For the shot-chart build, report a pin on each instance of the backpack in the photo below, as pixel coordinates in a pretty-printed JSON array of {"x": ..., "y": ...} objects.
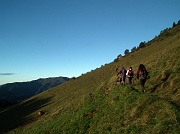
[
  {"x": 143, "y": 74},
  {"x": 130, "y": 73},
  {"x": 124, "y": 72}
]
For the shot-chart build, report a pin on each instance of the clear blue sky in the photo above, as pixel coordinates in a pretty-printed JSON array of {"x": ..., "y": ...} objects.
[{"x": 50, "y": 38}]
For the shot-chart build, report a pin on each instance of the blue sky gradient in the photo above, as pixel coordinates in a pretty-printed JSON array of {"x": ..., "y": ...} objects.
[{"x": 50, "y": 38}]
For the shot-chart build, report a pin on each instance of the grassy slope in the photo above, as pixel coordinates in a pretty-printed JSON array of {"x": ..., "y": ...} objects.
[{"x": 94, "y": 103}]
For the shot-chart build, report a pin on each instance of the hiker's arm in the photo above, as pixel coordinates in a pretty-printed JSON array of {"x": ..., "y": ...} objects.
[
  {"x": 127, "y": 72},
  {"x": 120, "y": 72}
]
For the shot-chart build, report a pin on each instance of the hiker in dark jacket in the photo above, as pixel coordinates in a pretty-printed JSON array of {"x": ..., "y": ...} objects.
[
  {"x": 130, "y": 75},
  {"x": 142, "y": 76},
  {"x": 123, "y": 75}
]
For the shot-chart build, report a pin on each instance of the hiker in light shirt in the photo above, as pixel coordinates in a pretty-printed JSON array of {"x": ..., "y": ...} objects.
[{"x": 130, "y": 75}]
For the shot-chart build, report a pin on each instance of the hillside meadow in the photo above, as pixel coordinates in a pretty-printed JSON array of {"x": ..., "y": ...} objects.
[{"x": 96, "y": 103}]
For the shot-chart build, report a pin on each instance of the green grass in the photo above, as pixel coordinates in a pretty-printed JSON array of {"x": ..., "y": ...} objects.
[
  {"x": 123, "y": 110},
  {"x": 95, "y": 103}
]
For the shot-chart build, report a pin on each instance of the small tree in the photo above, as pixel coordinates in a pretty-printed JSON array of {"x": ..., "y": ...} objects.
[
  {"x": 178, "y": 22},
  {"x": 142, "y": 44},
  {"x": 174, "y": 24},
  {"x": 126, "y": 51},
  {"x": 119, "y": 56},
  {"x": 116, "y": 60},
  {"x": 133, "y": 49}
]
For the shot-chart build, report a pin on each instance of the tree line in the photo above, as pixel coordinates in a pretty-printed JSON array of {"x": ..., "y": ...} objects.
[{"x": 164, "y": 33}]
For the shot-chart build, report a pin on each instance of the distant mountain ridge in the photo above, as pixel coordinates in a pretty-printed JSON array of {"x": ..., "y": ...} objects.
[{"x": 18, "y": 91}]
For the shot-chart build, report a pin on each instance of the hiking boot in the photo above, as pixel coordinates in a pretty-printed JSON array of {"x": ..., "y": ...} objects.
[{"x": 123, "y": 83}]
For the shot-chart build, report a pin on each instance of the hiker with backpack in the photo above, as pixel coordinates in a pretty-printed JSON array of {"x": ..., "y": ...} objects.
[
  {"x": 142, "y": 76},
  {"x": 130, "y": 75},
  {"x": 123, "y": 75}
]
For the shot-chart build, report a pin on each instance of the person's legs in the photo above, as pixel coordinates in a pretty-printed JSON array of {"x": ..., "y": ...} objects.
[
  {"x": 120, "y": 79},
  {"x": 142, "y": 81},
  {"x": 130, "y": 81},
  {"x": 123, "y": 80}
]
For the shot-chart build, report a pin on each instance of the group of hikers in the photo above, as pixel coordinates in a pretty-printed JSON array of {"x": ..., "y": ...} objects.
[{"x": 141, "y": 75}]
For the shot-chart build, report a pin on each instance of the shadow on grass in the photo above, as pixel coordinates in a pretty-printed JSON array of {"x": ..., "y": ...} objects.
[
  {"x": 17, "y": 116},
  {"x": 167, "y": 74}
]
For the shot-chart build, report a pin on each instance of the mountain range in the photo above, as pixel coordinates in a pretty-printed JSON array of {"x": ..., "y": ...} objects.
[{"x": 15, "y": 92}]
